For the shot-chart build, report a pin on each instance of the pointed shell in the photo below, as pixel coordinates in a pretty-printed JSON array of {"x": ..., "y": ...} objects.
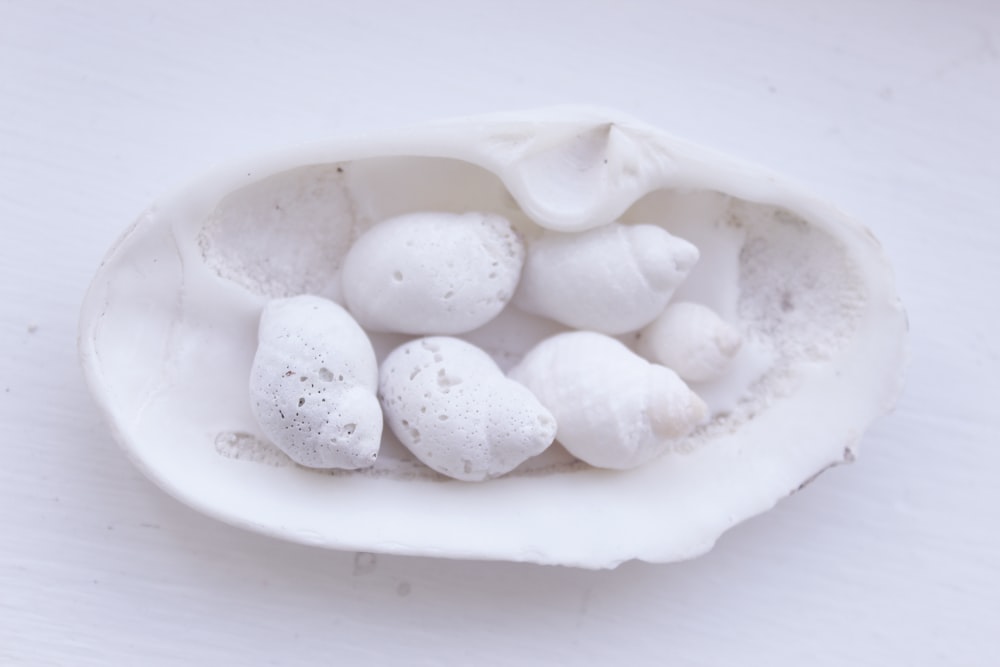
[
  {"x": 168, "y": 334},
  {"x": 313, "y": 382},
  {"x": 449, "y": 403},
  {"x": 614, "y": 409},
  {"x": 692, "y": 340},
  {"x": 612, "y": 279}
]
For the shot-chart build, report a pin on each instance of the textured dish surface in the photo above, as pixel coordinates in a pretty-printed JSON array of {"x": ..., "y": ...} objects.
[{"x": 169, "y": 331}]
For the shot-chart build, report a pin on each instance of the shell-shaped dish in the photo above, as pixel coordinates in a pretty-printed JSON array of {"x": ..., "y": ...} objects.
[{"x": 169, "y": 332}]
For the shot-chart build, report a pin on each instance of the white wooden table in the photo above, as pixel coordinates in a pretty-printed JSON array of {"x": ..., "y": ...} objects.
[{"x": 889, "y": 109}]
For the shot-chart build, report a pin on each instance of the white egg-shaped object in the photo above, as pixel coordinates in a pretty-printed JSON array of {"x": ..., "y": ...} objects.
[{"x": 432, "y": 272}]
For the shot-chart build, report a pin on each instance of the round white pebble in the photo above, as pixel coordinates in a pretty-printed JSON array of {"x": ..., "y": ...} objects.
[
  {"x": 313, "y": 384},
  {"x": 448, "y": 402},
  {"x": 438, "y": 273}
]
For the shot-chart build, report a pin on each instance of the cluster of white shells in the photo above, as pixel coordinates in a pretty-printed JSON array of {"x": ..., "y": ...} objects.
[{"x": 318, "y": 394}]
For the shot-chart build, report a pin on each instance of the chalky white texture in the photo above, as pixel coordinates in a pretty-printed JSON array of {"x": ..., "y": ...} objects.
[
  {"x": 612, "y": 279},
  {"x": 440, "y": 273},
  {"x": 313, "y": 384},
  {"x": 614, "y": 409},
  {"x": 450, "y": 404},
  {"x": 692, "y": 340}
]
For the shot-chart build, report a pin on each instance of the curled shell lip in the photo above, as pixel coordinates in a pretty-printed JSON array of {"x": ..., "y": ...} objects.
[
  {"x": 166, "y": 343},
  {"x": 586, "y": 177}
]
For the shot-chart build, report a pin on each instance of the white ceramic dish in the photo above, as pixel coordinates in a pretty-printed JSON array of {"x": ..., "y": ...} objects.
[{"x": 168, "y": 334}]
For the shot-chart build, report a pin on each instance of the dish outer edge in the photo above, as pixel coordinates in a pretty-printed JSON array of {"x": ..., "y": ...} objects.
[{"x": 699, "y": 166}]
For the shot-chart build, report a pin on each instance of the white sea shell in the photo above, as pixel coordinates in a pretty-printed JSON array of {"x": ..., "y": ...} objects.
[
  {"x": 168, "y": 335},
  {"x": 614, "y": 409},
  {"x": 613, "y": 279},
  {"x": 692, "y": 340},
  {"x": 450, "y": 404},
  {"x": 313, "y": 383},
  {"x": 432, "y": 272}
]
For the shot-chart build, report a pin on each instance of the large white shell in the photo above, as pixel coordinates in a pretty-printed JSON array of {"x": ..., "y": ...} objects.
[{"x": 168, "y": 337}]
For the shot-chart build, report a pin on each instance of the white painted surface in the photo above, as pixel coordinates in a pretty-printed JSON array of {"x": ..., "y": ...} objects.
[{"x": 891, "y": 110}]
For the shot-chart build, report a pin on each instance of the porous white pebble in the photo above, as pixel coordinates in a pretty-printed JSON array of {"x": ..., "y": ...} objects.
[
  {"x": 440, "y": 273},
  {"x": 313, "y": 384},
  {"x": 614, "y": 409},
  {"x": 612, "y": 279},
  {"x": 692, "y": 340},
  {"x": 449, "y": 403}
]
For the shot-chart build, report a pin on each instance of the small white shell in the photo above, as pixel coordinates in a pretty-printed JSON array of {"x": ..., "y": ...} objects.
[
  {"x": 614, "y": 409},
  {"x": 451, "y": 405},
  {"x": 611, "y": 279},
  {"x": 432, "y": 272},
  {"x": 313, "y": 383},
  {"x": 692, "y": 340}
]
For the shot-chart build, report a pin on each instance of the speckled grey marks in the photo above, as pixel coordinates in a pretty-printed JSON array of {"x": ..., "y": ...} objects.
[
  {"x": 449, "y": 403},
  {"x": 313, "y": 383}
]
